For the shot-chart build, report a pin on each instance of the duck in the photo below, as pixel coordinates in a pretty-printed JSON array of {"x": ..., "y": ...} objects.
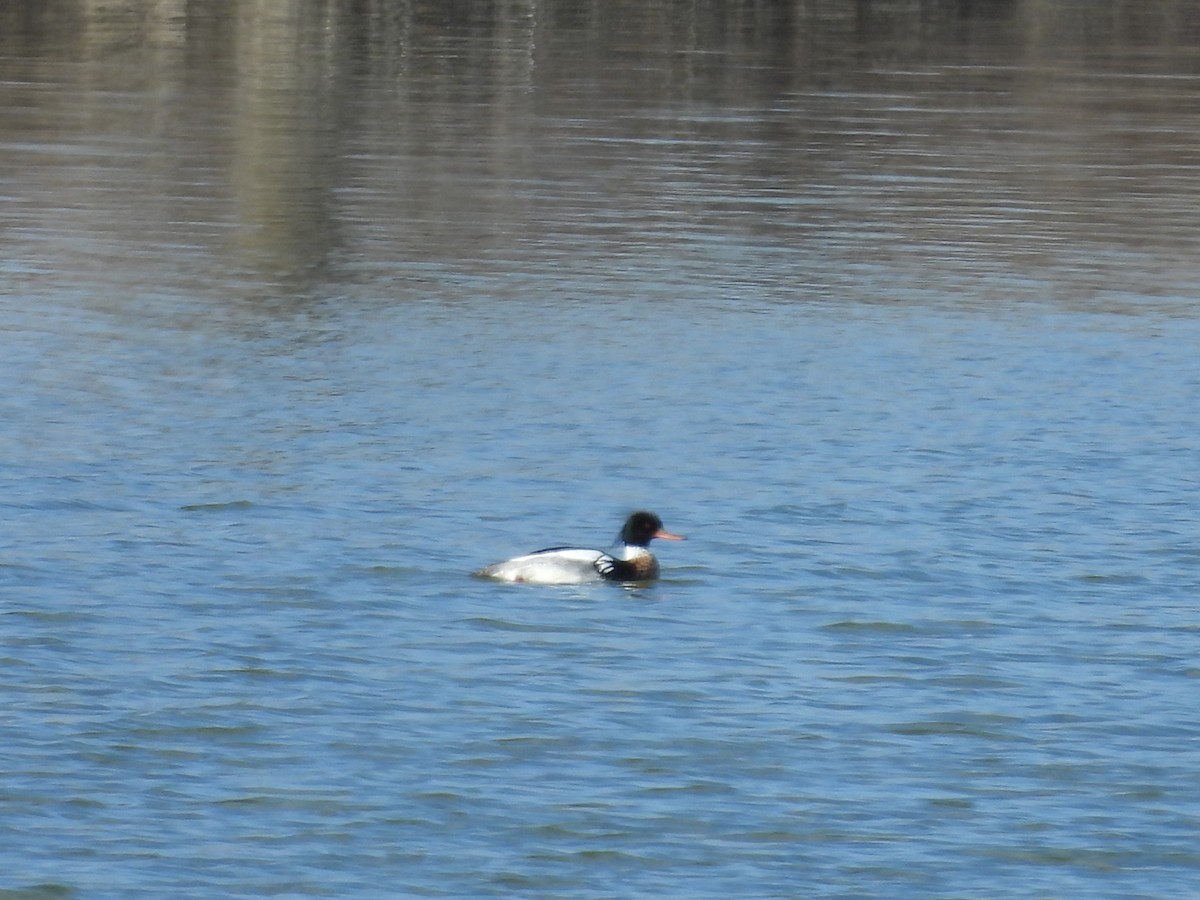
[{"x": 570, "y": 565}]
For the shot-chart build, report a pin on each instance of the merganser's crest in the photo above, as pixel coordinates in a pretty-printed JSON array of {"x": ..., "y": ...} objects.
[{"x": 568, "y": 565}]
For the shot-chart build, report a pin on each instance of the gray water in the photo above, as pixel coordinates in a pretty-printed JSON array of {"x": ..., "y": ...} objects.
[{"x": 309, "y": 310}]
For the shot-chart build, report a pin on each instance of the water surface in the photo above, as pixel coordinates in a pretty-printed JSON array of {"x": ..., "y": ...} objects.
[{"x": 307, "y": 313}]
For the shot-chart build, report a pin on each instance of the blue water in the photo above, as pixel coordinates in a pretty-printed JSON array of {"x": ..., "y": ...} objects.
[
  {"x": 926, "y": 411},
  {"x": 931, "y": 633}
]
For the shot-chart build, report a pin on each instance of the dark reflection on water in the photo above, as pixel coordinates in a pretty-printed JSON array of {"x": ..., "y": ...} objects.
[{"x": 246, "y": 147}]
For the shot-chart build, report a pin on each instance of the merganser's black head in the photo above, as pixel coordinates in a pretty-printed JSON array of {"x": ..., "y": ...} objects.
[{"x": 643, "y": 527}]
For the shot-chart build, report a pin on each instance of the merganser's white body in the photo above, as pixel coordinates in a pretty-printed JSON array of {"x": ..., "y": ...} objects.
[{"x": 569, "y": 565}]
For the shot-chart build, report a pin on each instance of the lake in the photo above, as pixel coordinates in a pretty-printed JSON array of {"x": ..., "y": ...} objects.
[{"x": 307, "y": 311}]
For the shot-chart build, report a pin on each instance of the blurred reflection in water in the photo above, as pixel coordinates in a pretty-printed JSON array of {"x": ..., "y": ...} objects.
[{"x": 246, "y": 147}]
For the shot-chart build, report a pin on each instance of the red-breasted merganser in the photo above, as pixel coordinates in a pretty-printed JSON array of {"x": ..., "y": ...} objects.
[{"x": 567, "y": 565}]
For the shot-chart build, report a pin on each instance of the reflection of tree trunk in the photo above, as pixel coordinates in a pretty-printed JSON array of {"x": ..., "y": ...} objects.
[{"x": 284, "y": 136}]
